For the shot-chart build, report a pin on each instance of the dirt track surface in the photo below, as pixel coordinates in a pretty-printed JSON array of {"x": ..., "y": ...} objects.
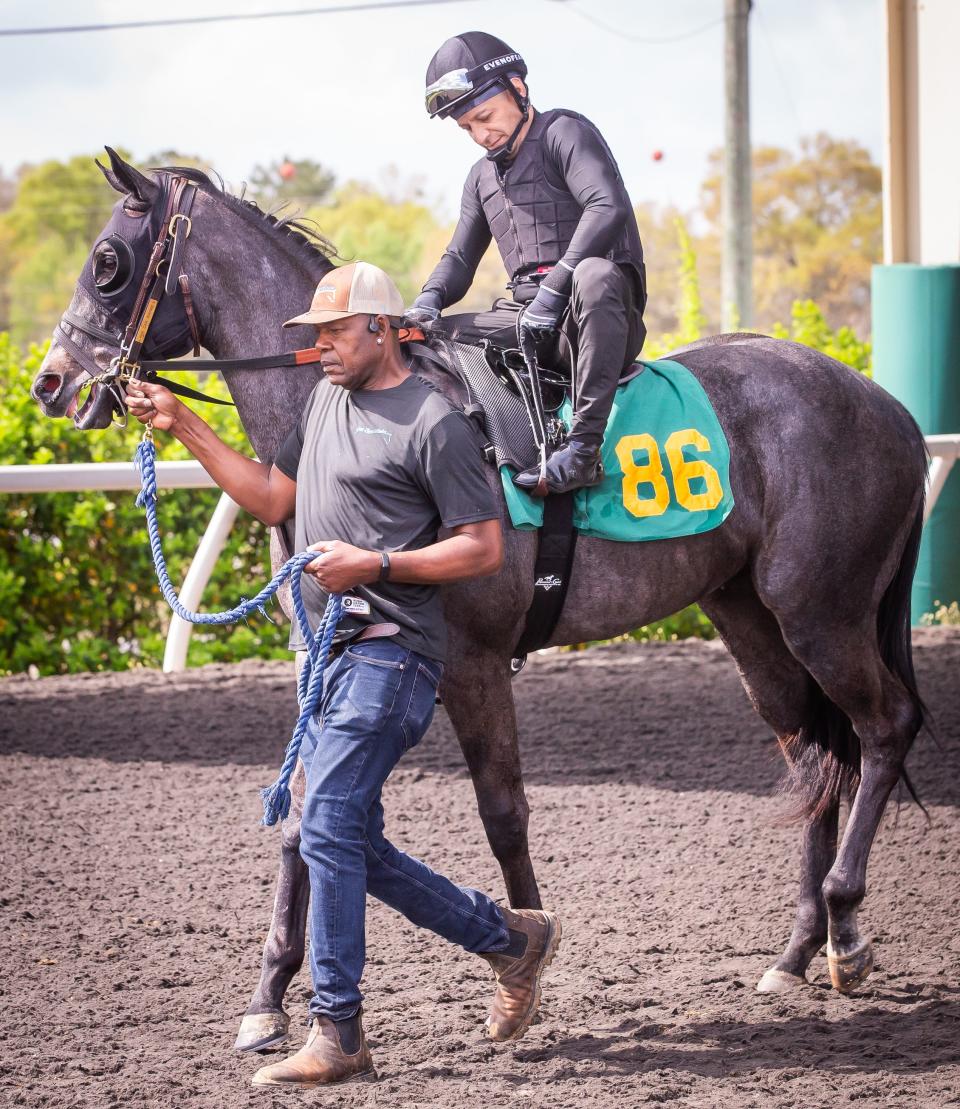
[{"x": 138, "y": 890}]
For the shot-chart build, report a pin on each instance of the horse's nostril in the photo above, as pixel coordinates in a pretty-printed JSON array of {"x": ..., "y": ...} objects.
[{"x": 50, "y": 383}]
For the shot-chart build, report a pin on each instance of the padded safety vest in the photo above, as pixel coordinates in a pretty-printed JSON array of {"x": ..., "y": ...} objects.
[{"x": 531, "y": 212}]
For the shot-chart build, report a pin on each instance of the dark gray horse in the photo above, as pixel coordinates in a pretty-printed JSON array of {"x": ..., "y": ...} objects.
[{"x": 808, "y": 580}]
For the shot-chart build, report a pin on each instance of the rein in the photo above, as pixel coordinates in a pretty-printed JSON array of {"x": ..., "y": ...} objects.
[
  {"x": 164, "y": 276},
  {"x": 276, "y": 797}
]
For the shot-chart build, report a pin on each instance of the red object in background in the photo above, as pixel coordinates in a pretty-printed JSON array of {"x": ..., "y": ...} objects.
[
  {"x": 658, "y": 155},
  {"x": 288, "y": 171}
]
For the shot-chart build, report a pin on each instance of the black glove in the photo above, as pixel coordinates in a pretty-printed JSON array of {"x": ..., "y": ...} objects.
[
  {"x": 425, "y": 309},
  {"x": 544, "y": 312}
]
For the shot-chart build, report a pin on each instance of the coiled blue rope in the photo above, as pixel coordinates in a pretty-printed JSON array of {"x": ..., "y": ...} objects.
[{"x": 276, "y": 798}]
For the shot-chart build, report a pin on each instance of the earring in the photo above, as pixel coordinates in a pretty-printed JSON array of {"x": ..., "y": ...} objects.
[{"x": 380, "y": 341}]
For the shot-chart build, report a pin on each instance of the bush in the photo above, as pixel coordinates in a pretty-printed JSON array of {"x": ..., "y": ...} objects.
[{"x": 78, "y": 590}]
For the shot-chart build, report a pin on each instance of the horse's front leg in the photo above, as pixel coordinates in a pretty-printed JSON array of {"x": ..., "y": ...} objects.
[
  {"x": 479, "y": 701},
  {"x": 265, "y": 1023}
]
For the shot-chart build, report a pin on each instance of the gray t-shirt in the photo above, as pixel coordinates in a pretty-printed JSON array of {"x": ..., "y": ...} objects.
[{"x": 383, "y": 469}]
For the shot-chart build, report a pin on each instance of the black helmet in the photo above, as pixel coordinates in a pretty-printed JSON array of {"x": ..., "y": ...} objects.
[{"x": 469, "y": 69}]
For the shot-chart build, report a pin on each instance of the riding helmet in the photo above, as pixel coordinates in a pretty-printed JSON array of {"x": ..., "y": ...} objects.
[{"x": 469, "y": 69}]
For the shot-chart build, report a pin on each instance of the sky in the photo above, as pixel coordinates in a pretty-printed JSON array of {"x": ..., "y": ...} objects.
[{"x": 347, "y": 89}]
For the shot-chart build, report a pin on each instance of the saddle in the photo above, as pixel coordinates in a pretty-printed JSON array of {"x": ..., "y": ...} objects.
[{"x": 502, "y": 384}]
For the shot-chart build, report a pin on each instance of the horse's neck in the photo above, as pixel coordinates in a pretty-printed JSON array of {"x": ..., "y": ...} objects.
[{"x": 245, "y": 284}]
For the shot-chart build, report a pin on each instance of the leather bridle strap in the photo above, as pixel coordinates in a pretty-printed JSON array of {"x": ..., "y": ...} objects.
[
  {"x": 177, "y": 214},
  {"x": 159, "y": 249},
  {"x": 156, "y": 283},
  {"x": 77, "y": 353},
  {"x": 148, "y": 370},
  {"x": 266, "y": 362},
  {"x": 184, "y": 282},
  {"x": 89, "y": 328}
]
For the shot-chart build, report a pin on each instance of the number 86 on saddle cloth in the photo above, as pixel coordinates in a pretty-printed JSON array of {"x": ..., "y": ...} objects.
[{"x": 666, "y": 462}]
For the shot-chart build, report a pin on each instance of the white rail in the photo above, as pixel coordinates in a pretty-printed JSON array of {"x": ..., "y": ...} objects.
[
  {"x": 82, "y": 477},
  {"x": 944, "y": 451},
  {"x": 106, "y": 476}
]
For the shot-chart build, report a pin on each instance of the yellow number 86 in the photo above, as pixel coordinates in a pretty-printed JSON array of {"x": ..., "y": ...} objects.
[{"x": 683, "y": 471}]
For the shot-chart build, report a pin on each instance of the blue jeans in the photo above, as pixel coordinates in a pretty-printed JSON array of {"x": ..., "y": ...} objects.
[{"x": 378, "y": 701}]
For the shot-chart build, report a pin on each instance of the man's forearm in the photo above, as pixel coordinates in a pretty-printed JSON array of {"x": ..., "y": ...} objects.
[
  {"x": 455, "y": 559},
  {"x": 245, "y": 479}
]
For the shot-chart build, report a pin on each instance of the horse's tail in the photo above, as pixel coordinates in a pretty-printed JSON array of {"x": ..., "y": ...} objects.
[{"x": 824, "y": 756}]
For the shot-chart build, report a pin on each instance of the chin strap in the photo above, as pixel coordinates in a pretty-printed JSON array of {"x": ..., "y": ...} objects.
[{"x": 502, "y": 153}]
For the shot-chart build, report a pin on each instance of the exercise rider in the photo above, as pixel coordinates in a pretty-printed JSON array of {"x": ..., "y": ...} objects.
[
  {"x": 550, "y": 193},
  {"x": 377, "y": 464}
]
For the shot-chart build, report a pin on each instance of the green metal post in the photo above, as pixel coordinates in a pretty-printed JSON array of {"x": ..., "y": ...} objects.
[{"x": 916, "y": 357}]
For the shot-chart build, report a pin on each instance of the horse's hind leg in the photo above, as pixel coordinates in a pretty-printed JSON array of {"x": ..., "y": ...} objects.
[
  {"x": 846, "y": 662},
  {"x": 851, "y": 629},
  {"x": 479, "y": 701},
  {"x": 265, "y": 1023},
  {"x": 783, "y": 693}
]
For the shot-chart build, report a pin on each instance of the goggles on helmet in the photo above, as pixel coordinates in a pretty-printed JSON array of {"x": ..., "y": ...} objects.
[{"x": 456, "y": 85}]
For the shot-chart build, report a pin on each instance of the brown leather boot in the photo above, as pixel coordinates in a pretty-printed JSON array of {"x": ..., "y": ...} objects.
[
  {"x": 335, "y": 1051},
  {"x": 534, "y": 939}
]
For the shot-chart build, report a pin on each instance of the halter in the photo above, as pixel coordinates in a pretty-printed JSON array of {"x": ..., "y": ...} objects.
[{"x": 163, "y": 277}]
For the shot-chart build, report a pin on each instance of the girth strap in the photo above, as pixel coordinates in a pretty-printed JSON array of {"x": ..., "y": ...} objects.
[{"x": 557, "y": 541}]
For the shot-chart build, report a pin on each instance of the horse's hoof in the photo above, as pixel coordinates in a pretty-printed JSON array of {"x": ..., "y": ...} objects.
[
  {"x": 775, "y": 980},
  {"x": 849, "y": 970},
  {"x": 258, "y": 1031}
]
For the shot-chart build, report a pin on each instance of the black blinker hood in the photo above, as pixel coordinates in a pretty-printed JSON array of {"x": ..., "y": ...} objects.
[{"x": 169, "y": 335}]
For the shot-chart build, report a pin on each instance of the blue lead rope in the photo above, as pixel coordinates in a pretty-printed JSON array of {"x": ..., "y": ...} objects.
[{"x": 276, "y": 798}]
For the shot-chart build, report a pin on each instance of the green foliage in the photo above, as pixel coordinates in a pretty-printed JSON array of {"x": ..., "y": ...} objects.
[
  {"x": 808, "y": 326},
  {"x": 366, "y": 225},
  {"x": 692, "y": 319},
  {"x": 77, "y": 587},
  {"x": 45, "y": 236},
  {"x": 817, "y": 228},
  {"x": 78, "y": 590},
  {"x": 686, "y": 624},
  {"x": 942, "y": 615}
]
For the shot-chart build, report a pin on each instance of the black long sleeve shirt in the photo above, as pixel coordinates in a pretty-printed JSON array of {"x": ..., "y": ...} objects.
[{"x": 560, "y": 200}]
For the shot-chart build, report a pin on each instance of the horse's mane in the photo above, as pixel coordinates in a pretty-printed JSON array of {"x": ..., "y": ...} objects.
[{"x": 304, "y": 236}]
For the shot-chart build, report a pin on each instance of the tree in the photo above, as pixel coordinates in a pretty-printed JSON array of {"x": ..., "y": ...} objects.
[
  {"x": 302, "y": 183},
  {"x": 45, "y": 236},
  {"x": 367, "y": 227},
  {"x": 816, "y": 226}
]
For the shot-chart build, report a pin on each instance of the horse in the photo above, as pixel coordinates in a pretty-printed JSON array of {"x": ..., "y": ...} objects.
[{"x": 807, "y": 581}]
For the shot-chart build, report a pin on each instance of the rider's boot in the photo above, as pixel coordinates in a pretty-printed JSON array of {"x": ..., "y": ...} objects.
[{"x": 572, "y": 466}]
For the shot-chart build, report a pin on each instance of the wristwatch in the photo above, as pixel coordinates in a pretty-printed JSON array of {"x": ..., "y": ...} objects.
[{"x": 384, "y": 566}]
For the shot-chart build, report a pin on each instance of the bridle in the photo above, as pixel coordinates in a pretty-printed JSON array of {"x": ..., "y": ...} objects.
[{"x": 163, "y": 277}]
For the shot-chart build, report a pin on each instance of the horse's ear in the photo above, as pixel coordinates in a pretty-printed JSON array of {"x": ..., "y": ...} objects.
[{"x": 127, "y": 180}]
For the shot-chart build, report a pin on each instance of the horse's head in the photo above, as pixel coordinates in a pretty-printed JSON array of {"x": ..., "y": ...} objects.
[{"x": 89, "y": 335}]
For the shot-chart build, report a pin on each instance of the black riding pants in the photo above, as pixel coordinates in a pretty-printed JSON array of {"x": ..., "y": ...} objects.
[{"x": 601, "y": 334}]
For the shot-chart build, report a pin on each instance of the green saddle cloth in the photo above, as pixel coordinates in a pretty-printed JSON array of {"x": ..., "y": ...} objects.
[{"x": 666, "y": 464}]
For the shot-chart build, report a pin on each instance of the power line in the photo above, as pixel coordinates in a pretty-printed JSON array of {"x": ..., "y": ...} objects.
[
  {"x": 778, "y": 67},
  {"x": 235, "y": 17},
  {"x": 650, "y": 41}
]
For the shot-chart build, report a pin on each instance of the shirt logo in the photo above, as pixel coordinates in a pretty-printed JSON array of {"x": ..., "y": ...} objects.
[
  {"x": 548, "y": 582},
  {"x": 356, "y": 604},
  {"x": 374, "y": 431}
]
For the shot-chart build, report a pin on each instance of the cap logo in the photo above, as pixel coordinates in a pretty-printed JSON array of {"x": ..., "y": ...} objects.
[
  {"x": 328, "y": 290},
  {"x": 498, "y": 62}
]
